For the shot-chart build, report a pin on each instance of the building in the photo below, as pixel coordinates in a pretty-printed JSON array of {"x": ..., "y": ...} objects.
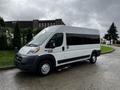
[{"x": 35, "y": 24}]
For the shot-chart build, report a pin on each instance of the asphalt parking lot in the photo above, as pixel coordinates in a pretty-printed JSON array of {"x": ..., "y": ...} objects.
[{"x": 104, "y": 75}]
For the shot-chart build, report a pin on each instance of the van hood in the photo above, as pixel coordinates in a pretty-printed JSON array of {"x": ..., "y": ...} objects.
[{"x": 24, "y": 50}]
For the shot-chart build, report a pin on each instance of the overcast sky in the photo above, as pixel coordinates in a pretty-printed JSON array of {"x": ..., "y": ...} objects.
[{"x": 98, "y": 14}]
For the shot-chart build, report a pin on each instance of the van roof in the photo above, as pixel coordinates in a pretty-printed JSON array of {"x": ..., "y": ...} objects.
[{"x": 71, "y": 29}]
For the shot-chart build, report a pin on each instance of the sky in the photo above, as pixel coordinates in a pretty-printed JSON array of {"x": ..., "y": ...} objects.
[{"x": 97, "y": 14}]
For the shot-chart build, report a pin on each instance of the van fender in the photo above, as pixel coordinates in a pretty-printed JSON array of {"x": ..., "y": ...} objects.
[
  {"x": 96, "y": 52},
  {"x": 47, "y": 57}
]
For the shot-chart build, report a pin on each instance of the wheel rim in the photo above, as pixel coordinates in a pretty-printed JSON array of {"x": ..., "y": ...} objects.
[
  {"x": 45, "y": 69},
  {"x": 94, "y": 58}
]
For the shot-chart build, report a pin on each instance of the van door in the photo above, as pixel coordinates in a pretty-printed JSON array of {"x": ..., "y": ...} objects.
[
  {"x": 56, "y": 47},
  {"x": 74, "y": 49}
]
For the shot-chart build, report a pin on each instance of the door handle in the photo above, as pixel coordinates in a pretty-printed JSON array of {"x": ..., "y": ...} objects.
[{"x": 63, "y": 48}]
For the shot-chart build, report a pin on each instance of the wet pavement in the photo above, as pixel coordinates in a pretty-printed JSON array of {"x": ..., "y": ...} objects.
[{"x": 104, "y": 75}]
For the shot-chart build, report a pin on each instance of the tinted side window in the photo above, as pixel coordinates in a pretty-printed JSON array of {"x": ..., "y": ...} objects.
[
  {"x": 80, "y": 39},
  {"x": 73, "y": 39},
  {"x": 57, "y": 39}
]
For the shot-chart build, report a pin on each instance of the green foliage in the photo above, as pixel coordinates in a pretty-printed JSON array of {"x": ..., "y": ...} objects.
[
  {"x": 26, "y": 34},
  {"x": 29, "y": 35},
  {"x": 36, "y": 31},
  {"x": 106, "y": 37},
  {"x": 2, "y": 24},
  {"x": 3, "y": 39},
  {"x": 17, "y": 36},
  {"x": 3, "y": 42},
  {"x": 9, "y": 33},
  {"x": 112, "y": 33}
]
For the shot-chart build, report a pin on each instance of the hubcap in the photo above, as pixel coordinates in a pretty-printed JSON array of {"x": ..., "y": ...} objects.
[
  {"x": 45, "y": 68},
  {"x": 94, "y": 58}
]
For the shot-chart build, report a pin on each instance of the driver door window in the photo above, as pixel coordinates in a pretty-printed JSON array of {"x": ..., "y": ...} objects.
[{"x": 55, "y": 41}]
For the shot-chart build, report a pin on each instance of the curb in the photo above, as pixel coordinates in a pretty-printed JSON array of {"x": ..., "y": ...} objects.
[
  {"x": 116, "y": 45},
  {"x": 7, "y": 67}
]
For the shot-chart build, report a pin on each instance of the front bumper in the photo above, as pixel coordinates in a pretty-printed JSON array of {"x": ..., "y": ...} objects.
[{"x": 26, "y": 63}]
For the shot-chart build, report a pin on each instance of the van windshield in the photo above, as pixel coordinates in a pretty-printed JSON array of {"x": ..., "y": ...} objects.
[{"x": 40, "y": 37}]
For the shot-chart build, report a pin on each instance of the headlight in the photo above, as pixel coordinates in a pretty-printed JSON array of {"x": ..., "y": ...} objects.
[{"x": 34, "y": 50}]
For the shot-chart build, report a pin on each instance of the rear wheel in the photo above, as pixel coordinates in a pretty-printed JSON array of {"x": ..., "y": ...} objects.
[
  {"x": 93, "y": 58},
  {"x": 45, "y": 67}
]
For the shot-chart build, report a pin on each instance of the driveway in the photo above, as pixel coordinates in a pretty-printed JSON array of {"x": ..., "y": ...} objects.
[{"x": 104, "y": 75}]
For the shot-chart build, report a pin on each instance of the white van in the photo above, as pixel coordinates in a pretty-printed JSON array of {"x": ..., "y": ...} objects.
[{"x": 58, "y": 45}]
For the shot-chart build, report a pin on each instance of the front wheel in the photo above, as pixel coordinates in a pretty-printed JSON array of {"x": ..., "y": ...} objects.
[
  {"x": 93, "y": 59},
  {"x": 45, "y": 67}
]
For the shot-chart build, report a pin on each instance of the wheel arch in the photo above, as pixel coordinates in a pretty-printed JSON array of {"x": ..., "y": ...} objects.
[
  {"x": 47, "y": 57},
  {"x": 94, "y": 52}
]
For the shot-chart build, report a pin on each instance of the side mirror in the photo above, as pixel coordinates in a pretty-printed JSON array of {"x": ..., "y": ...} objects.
[{"x": 51, "y": 44}]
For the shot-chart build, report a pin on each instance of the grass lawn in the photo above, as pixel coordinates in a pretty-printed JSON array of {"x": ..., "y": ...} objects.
[
  {"x": 105, "y": 49},
  {"x": 6, "y": 58}
]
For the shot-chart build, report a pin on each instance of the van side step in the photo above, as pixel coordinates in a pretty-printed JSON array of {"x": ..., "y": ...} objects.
[{"x": 72, "y": 59}]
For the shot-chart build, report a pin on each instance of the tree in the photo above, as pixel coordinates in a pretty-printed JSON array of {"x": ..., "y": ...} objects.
[
  {"x": 17, "y": 36},
  {"x": 106, "y": 37},
  {"x": 3, "y": 39},
  {"x": 9, "y": 33},
  {"x": 3, "y": 42},
  {"x": 37, "y": 30},
  {"x": 23, "y": 35},
  {"x": 2, "y": 23},
  {"x": 112, "y": 34},
  {"x": 29, "y": 35}
]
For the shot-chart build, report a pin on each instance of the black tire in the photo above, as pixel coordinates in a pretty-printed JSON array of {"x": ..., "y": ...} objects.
[
  {"x": 93, "y": 58},
  {"x": 45, "y": 67}
]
